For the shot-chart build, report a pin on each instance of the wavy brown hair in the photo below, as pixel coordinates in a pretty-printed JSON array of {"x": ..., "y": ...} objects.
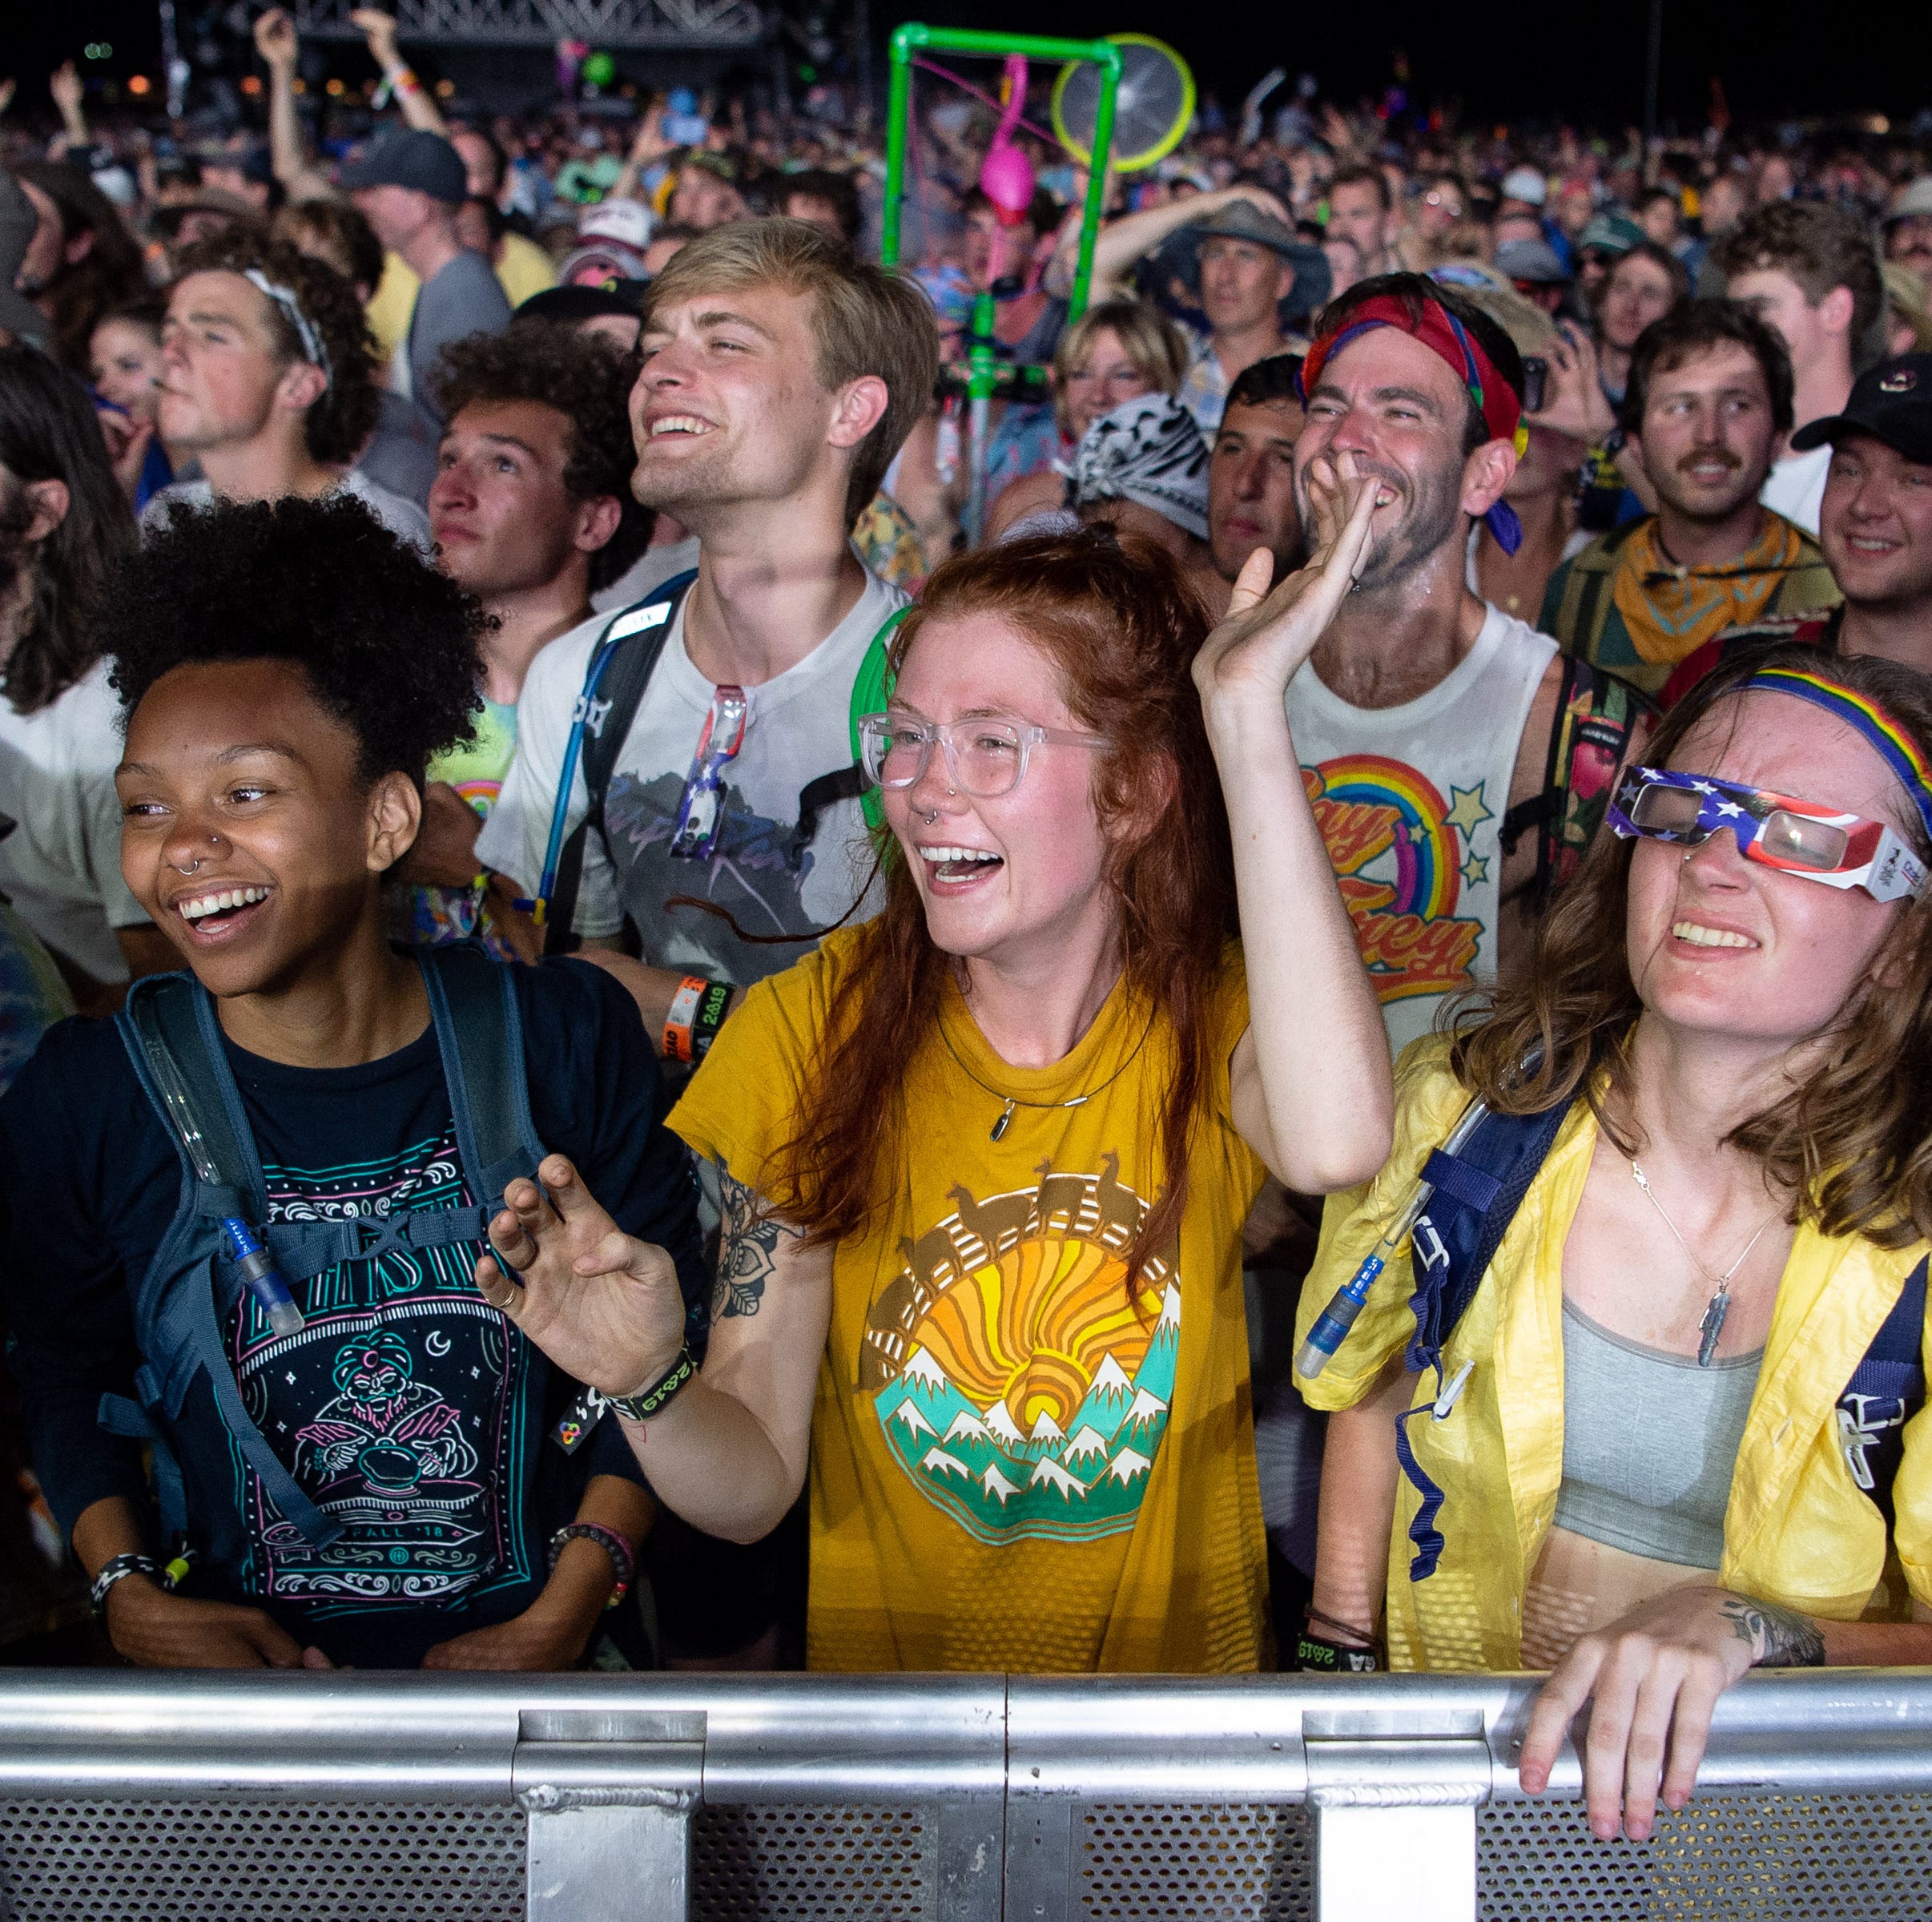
[
  {"x": 1852, "y": 1140},
  {"x": 1118, "y": 619}
]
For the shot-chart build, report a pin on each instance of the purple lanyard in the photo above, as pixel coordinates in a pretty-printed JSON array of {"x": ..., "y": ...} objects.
[{"x": 701, "y": 812}]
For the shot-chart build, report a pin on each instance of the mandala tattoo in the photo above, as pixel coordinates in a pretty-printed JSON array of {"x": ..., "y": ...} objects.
[
  {"x": 747, "y": 1244},
  {"x": 1779, "y": 1637}
]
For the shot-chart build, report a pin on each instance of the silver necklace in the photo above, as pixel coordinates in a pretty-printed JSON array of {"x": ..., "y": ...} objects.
[
  {"x": 1013, "y": 1101},
  {"x": 1719, "y": 1306}
]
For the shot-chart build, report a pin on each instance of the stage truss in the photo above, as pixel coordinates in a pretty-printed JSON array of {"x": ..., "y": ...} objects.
[{"x": 603, "y": 23}]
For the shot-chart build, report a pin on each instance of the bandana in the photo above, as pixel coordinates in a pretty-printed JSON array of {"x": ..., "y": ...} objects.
[
  {"x": 1900, "y": 752},
  {"x": 1445, "y": 336},
  {"x": 306, "y": 331},
  {"x": 1671, "y": 611},
  {"x": 1147, "y": 449}
]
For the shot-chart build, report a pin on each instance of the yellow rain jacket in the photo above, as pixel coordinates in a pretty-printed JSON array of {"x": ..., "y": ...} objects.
[{"x": 1797, "y": 1531}]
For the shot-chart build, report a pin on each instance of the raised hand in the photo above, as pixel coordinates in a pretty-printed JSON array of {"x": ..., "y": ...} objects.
[
  {"x": 1265, "y": 636},
  {"x": 379, "y": 29},
  {"x": 64, "y": 85},
  {"x": 604, "y": 1306},
  {"x": 275, "y": 38}
]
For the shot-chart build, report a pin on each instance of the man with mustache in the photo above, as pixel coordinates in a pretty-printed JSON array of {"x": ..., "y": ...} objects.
[{"x": 1707, "y": 406}]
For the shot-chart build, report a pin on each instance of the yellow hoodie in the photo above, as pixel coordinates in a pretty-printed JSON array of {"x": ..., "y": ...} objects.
[{"x": 1797, "y": 1530}]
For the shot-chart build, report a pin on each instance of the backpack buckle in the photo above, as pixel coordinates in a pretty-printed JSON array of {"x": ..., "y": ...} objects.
[{"x": 1864, "y": 1421}]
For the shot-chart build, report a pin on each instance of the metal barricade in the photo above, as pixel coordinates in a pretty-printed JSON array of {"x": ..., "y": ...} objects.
[{"x": 360, "y": 1798}]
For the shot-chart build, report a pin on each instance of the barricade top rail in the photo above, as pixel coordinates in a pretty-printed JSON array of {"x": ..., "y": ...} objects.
[{"x": 880, "y": 1738}]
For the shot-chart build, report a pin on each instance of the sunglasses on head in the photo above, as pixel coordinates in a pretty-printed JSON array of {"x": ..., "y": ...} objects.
[{"x": 1797, "y": 837}]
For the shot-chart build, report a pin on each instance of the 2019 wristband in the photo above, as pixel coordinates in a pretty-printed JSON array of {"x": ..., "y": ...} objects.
[
  {"x": 118, "y": 1569},
  {"x": 649, "y": 1401},
  {"x": 1313, "y": 1655},
  {"x": 714, "y": 1005}
]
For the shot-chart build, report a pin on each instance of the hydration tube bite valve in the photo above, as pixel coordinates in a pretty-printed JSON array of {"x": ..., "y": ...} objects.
[
  {"x": 1332, "y": 1326},
  {"x": 264, "y": 1279}
]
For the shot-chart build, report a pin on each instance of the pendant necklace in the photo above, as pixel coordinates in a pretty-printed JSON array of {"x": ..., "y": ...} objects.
[
  {"x": 998, "y": 1131},
  {"x": 1719, "y": 1306}
]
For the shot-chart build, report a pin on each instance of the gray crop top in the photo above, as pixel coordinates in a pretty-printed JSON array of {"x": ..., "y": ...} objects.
[{"x": 1649, "y": 1444}]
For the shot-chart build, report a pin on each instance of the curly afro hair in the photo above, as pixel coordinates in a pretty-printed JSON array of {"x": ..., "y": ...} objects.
[
  {"x": 587, "y": 379},
  {"x": 388, "y": 645},
  {"x": 339, "y": 423}
]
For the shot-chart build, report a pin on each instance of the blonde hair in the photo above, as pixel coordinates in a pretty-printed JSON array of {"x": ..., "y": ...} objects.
[
  {"x": 1156, "y": 346},
  {"x": 865, "y": 320}
]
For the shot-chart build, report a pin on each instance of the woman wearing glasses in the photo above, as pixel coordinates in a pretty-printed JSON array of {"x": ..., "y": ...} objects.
[
  {"x": 986, "y": 1159},
  {"x": 1671, "y": 1416}
]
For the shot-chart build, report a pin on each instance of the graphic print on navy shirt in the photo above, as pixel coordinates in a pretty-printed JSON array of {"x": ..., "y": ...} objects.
[{"x": 397, "y": 1408}]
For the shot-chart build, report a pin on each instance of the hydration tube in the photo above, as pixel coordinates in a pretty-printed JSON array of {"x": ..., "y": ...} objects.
[
  {"x": 1332, "y": 1326},
  {"x": 256, "y": 1264}
]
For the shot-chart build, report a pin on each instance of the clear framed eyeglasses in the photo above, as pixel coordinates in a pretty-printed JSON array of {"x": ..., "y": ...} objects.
[{"x": 986, "y": 757}]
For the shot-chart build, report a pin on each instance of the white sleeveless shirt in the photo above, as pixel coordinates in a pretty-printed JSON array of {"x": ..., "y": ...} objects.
[{"x": 1410, "y": 801}]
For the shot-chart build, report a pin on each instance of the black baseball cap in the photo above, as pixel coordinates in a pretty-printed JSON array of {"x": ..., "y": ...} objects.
[
  {"x": 1892, "y": 403},
  {"x": 410, "y": 157}
]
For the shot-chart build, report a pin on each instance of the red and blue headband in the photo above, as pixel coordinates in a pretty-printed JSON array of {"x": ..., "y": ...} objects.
[
  {"x": 1439, "y": 331},
  {"x": 1900, "y": 752}
]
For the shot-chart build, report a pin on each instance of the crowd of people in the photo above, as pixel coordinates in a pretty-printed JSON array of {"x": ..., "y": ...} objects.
[{"x": 624, "y": 1047}]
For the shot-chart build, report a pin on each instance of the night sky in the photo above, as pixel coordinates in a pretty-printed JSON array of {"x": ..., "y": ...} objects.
[{"x": 1508, "y": 61}]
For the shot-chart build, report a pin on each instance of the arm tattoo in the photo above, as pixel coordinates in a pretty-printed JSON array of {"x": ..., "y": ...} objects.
[
  {"x": 747, "y": 1246},
  {"x": 1779, "y": 1637}
]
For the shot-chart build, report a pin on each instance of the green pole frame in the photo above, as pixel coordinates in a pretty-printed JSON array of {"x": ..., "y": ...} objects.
[{"x": 911, "y": 37}]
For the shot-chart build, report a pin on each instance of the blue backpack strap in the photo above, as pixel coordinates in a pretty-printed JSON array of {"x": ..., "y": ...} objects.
[
  {"x": 479, "y": 1029},
  {"x": 169, "y": 1029},
  {"x": 1478, "y": 1191},
  {"x": 620, "y": 668},
  {"x": 1886, "y": 1390}
]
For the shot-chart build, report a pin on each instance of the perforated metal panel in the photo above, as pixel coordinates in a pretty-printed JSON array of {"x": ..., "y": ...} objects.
[
  {"x": 1195, "y": 1863},
  {"x": 848, "y": 1863},
  {"x": 1858, "y": 1858},
  {"x": 230, "y": 1862}
]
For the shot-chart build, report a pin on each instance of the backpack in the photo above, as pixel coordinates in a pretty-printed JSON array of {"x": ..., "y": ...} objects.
[
  {"x": 614, "y": 685},
  {"x": 169, "y": 1029},
  {"x": 1477, "y": 1190}
]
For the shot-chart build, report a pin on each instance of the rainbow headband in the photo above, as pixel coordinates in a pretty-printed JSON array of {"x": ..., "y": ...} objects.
[
  {"x": 1445, "y": 336},
  {"x": 1900, "y": 753}
]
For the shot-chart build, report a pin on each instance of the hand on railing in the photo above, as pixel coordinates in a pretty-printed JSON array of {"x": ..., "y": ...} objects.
[
  {"x": 153, "y": 1628},
  {"x": 1652, "y": 1678},
  {"x": 604, "y": 1306}
]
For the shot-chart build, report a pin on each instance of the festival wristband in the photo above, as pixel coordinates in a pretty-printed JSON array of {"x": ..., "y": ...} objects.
[
  {"x": 714, "y": 1006},
  {"x": 119, "y": 1568},
  {"x": 678, "y": 1018},
  {"x": 611, "y": 1542},
  {"x": 405, "y": 82},
  {"x": 652, "y": 1400},
  {"x": 1312, "y": 1656}
]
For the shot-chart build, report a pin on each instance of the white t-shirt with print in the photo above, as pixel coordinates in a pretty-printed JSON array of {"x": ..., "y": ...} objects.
[
  {"x": 61, "y": 865},
  {"x": 403, "y": 518},
  {"x": 797, "y": 728}
]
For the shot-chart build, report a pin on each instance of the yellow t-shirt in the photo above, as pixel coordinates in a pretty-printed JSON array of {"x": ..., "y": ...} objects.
[
  {"x": 522, "y": 268},
  {"x": 1015, "y": 1466}
]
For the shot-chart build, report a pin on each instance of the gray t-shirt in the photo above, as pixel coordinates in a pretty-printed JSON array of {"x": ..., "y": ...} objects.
[{"x": 466, "y": 297}]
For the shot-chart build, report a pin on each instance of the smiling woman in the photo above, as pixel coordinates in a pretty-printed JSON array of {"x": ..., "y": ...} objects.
[
  {"x": 986, "y": 1159},
  {"x": 1674, "y": 1451},
  {"x": 366, "y": 1479}
]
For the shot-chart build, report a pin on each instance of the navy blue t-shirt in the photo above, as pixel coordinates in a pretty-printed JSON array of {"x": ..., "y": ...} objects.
[{"x": 408, "y": 1409}]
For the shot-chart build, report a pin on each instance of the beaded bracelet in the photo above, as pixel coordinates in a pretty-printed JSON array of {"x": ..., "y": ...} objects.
[{"x": 610, "y": 1541}]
